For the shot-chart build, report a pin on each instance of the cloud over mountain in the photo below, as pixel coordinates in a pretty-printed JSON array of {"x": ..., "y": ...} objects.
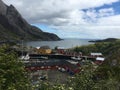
[
  {"x": 14, "y": 27},
  {"x": 75, "y": 15}
]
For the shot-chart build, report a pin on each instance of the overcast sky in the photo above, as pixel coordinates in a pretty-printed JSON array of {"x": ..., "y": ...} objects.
[{"x": 72, "y": 18}]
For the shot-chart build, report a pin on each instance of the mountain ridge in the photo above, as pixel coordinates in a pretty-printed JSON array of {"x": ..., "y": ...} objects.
[{"x": 14, "y": 27}]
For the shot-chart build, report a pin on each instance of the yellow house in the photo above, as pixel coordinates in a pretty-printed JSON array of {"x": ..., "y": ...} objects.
[{"x": 43, "y": 50}]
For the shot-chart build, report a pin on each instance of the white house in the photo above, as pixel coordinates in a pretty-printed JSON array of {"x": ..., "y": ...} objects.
[
  {"x": 96, "y": 54},
  {"x": 100, "y": 59}
]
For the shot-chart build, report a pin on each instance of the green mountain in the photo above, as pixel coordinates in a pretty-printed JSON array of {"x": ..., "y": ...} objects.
[
  {"x": 105, "y": 40},
  {"x": 14, "y": 27}
]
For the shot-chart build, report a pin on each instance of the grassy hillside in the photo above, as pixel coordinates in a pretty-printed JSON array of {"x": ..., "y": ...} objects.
[{"x": 111, "y": 52}]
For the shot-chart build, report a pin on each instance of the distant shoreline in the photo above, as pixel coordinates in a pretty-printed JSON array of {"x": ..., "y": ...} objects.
[{"x": 104, "y": 40}]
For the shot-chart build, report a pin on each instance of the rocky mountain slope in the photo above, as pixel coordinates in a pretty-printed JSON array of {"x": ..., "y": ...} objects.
[{"x": 14, "y": 27}]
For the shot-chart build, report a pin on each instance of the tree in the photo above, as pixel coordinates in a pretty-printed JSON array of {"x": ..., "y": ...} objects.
[{"x": 12, "y": 73}]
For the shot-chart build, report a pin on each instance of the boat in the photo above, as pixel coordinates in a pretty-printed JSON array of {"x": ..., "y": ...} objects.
[
  {"x": 43, "y": 57},
  {"x": 76, "y": 58}
]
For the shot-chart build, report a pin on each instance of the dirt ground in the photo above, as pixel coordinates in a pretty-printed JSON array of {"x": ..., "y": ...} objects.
[{"x": 53, "y": 76}]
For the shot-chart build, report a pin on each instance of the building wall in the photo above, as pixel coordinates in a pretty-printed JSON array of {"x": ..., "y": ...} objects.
[{"x": 43, "y": 51}]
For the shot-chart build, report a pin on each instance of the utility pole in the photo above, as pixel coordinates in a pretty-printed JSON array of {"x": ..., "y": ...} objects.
[{"x": 22, "y": 47}]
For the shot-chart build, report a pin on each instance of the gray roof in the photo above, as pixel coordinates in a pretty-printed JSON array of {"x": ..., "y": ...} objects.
[{"x": 45, "y": 47}]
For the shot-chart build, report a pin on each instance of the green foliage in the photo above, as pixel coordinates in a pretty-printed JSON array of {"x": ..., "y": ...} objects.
[
  {"x": 88, "y": 79},
  {"x": 12, "y": 73},
  {"x": 83, "y": 81},
  {"x": 49, "y": 86},
  {"x": 86, "y": 49},
  {"x": 103, "y": 47},
  {"x": 108, "y": 78},
  {"x": 105, "y": 77}
]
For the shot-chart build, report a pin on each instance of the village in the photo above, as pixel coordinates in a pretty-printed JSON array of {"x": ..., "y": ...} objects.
[{"x": 45, "y": 63}]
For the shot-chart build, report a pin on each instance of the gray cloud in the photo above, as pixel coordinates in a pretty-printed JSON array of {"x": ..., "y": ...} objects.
[
  {"x": 47, "y": 12},
  {"x": 67, "y": 15}
]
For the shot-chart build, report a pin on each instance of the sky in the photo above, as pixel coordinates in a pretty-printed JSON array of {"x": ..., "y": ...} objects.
[{"x": 87, "y": 19}]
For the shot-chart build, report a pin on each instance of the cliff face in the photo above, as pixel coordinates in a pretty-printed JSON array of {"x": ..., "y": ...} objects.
[{"x": 14, "y": 27}]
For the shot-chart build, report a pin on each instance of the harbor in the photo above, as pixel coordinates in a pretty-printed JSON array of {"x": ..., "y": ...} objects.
[{"x": 46, "y": 64}]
